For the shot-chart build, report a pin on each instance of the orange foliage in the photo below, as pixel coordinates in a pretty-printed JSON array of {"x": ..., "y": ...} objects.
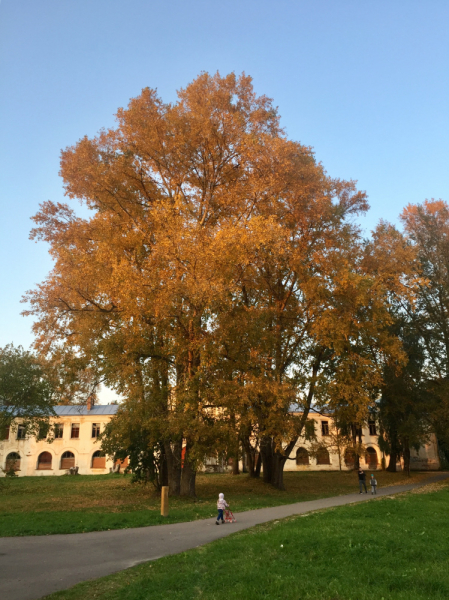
[{"x": 220, "y": 276}]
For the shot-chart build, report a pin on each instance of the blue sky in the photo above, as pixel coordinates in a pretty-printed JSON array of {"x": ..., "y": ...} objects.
[{"x": 366, "y": 84}]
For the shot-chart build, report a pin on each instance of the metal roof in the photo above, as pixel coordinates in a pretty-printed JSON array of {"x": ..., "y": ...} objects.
[{"x": 99, "y": 409}]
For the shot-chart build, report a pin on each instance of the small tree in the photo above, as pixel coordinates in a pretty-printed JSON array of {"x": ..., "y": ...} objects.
[
  {"x": 131, "y": 434},
  {"x": 26, "y": 394}
]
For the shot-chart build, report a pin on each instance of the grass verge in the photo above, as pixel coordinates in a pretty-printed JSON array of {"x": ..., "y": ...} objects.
[
  {"x": 49, "y": 505},
  {"x": 394, "y": 548}
]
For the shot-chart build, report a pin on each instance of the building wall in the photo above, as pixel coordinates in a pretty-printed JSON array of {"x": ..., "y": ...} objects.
[
  {"x": 425, "y": 459},
  {"x": 83, "y": 448}
]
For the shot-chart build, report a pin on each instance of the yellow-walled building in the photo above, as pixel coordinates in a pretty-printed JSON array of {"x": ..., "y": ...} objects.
[
  {"x": 76, "y": 448},
  {"x": 426, "y": 459},
  {"x": 75, "y": 444}
]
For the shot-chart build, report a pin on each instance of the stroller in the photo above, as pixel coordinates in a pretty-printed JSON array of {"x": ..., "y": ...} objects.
[{"x": 229, "y": 517}]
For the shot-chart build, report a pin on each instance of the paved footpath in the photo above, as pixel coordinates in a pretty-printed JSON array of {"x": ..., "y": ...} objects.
[{"x": 34, "y": 566}]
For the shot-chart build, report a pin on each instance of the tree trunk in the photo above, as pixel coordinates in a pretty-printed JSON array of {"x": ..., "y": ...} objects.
[
  {"x": 244, "y": 461},
  {"x": 173, "y": 453},
  {"x": 407, "y": 458},
  {"x": 266, "y": 452},
  {"x": 354, "y": 431},
  {"x": 392, "y": 462},
  {"x": 250, "y": 459},
  {"x": 163, "y": 468},
  {"x": 235, "y": 463},
  {"x": 258, "y": 466},
  {"x": 273, "y": 462},
  {"x": 235, "y": 453},
  {"x": 253, "y": 464},
  {"x": 188, "y": 480},
  {"x": 249, "y": 454},
  {"x": 188, "y": 477},
  {"x": 277, "y": 475}
]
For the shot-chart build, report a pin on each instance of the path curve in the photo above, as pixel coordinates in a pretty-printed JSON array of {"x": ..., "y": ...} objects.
[{"x": 32, "y": 567}]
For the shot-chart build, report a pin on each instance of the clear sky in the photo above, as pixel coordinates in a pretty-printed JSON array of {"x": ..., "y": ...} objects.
[{"x": 366, "y": 84}]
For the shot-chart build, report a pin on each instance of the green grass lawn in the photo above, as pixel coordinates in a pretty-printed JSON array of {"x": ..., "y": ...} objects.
[
  {"x": 46, "y": 505},
  {"x": 394, "y": 548}
]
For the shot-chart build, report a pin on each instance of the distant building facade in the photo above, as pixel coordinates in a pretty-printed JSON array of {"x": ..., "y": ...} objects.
[
  {"x": 75, "y": 445},
  {"x": 301, "y": 459}
]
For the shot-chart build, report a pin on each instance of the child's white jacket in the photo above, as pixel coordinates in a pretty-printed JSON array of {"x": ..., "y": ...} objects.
[{"x": 221, "y": 502}]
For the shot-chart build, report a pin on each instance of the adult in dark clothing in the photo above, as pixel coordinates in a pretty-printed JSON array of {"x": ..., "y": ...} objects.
[{"x": 362, "y": 481}]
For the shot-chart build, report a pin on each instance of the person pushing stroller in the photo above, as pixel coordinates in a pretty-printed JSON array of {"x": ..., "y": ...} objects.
[{"x": 221, "y": 506}]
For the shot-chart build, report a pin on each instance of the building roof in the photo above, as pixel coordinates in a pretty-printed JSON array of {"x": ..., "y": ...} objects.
[{"x": 75, "y": 410}]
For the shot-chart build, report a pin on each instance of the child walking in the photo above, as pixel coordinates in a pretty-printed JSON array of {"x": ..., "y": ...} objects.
[
  {"x": 373, "y": 483},
  {"x": 221, "y": 505}
]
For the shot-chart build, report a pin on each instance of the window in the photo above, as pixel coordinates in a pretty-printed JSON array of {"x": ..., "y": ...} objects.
[
  {"x": 6, "y": 433},
  {"x": 371, "y": 458},
  {"x": 75, "y": 431},
  {"x": 44, "y": 461},
  {"x": 43, "y": 431},
  {"x": 322, "y": 457},
  {"x": 324, "y": 428},
  {"x": 21, "y": 432},
  {"x": 12, "y": 462},
  {"x": 349, "y": 458},
  {"x": 67, "y": 460},
  {"x": 98, "y": 460},
  {"x": 372, "y": 427},
  {"x": 95, "y": 430},
  {"x": 302, "y": 456},
  {"x": 59, "y": 430}
]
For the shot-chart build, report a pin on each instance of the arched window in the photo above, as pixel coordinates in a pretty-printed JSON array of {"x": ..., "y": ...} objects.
[
  {"x": 371, "y": 458},
  {"x": 322, "y": 457},
  {"x": 98, "y": 460},
  {"x": 44, "y": 461},
  {"x": 67, "y": 460},
  {"x": 302, "y": 456},
  {"x": 12, "y": 462},
  {"x": 349, "y": 458}
]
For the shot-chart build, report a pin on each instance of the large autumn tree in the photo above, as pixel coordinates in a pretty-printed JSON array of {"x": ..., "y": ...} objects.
[
  {"x": 427, "y": 228},
  {"x": 219, "y": 279}
]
